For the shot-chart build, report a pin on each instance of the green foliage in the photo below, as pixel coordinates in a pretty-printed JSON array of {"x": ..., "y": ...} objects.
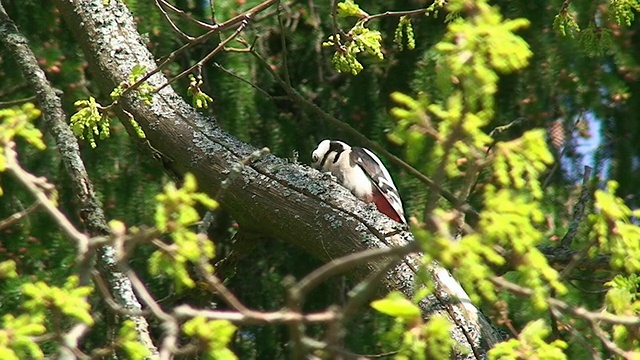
[
  {"x": 612, "y": 229},
  {"x": 16, "y": 336},
  {"x": 199, "y": 99},
  {"x": 175, "y": 213},
  {"x": 93, "y": 119},
  {"x": 489, "y": 47},
  {"x": 70, "y": 300},
  {"x": 349, "y": 8},
  {"x": 596, "y": 41},
  {"x": 513, "y": 164},
  {"x": 403, "y": 32},
  {"x": 144, "y": 91},
  {"x": 90, "y": 119},
  {"x": 512, "y": 210},
  {"x": 436, "y": 6},
  {"x": 622, "y": 299},
  {"x": 530, "y": 344},
  {"x": 396, "y": 305},
  {"x": 565, "y": 76},
  {"x": 128, "y": 342},
  {"x": 622, "y": 11},
  {"x": 135, "y": 126},
  {"x": 359, "y": 39},
  {"x": 411, "y": 112},
  {"x": 417, "y": 340},
  {"x": 8, "y": 269},
  {"x": 437, "y": 338},
  {"x": 18, "y": 121},
  {"x": 565, "y": 24},
  {"x": 214, "y": 334}
]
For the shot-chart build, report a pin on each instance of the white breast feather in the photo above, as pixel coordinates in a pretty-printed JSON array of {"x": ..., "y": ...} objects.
[{"x": 354, "y": 178}]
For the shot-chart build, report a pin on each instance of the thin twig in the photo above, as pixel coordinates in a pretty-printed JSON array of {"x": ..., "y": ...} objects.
[
  {"x": 363, "y": 290},
  {"x": 5, "y": 104},
  {"x": 216, "y": 286},
  {"x": 254, "y": 317},
  {"x": 610, "y": 345},
  {"x": 200, "y": 39},
  {"x": 339, "y": 265},
  {"x": 171, "y": 23},
  {"x": 37, "y": 187},
  {"x": 579, "y": 312},
  {"x": 208, "y": 57},
  {"x": 395, "y": 14},
  {"x": 283, "y": 43},
  {"x": 169, "y": 323},
  {"x": 111, "y": 302},
  {"x": 70, "y": 340},
  {"x": 19, "y": 215},
  {"x": 259, "y": 89},
  {"x": 581, "y": 339},
  {"x": 188, "y": 17}
]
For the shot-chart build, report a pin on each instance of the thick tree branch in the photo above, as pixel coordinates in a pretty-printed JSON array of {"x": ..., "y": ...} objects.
[{"x": 281, "y": 200}]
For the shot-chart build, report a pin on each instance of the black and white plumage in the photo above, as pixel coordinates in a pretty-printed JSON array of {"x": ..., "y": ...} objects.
[{"x": 361, "y": 171}]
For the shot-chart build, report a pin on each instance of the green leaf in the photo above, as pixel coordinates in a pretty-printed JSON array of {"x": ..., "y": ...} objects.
[
  {"x": 175, "y": 214},
  {"x": 128, "y": 342},
  {"x": 396, "y": 305},
  {"x": 8, "y": 269},
  {"x": 91, "y": 119},
  {"x": 18, "y": 121},
  {"x": 214, "y": 334},
  {"x": 349, "y": 8},
  {"x": 530, "y": 344}
]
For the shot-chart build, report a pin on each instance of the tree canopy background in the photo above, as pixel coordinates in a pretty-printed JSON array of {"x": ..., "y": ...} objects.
[{"x": 581, "y": 86}]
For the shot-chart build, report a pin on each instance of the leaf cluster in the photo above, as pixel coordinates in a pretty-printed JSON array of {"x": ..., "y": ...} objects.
[
  {"x": 175, "y": 214},
  {"x": 18, "y": 122},
  {"x": 215, "y": 334},
  {"x": 417, "y": 339}
]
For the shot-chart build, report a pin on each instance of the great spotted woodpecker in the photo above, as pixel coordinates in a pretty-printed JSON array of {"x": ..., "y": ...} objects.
[{"x": 361, "y": 171}]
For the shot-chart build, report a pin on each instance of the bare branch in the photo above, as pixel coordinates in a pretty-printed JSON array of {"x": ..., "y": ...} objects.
[
  {"x": 175, "y": 27},
  {"x": 579, "y": 312},
  {"x": 38, "y": 187},
  {"x": 211, "y": 54},
  {"x": 19, "y": 215},
  {"x": 253, "y": 317},
  {"x": 9, "y": 103},
  {"x": 396, "y": 14}
]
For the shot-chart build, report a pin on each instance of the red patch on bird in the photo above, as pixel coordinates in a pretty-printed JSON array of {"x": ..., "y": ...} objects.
[{"x": 384, "y": 207}]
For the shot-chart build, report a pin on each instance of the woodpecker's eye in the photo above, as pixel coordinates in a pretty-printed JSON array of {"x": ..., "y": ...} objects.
[{"x": 314, "y": 158}]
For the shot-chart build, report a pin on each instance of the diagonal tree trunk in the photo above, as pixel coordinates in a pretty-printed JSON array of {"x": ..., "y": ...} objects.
[{"x": 270, "y": 196}]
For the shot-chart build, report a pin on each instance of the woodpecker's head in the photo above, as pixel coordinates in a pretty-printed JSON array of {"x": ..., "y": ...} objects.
[{"x": 327, "y": 153}]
